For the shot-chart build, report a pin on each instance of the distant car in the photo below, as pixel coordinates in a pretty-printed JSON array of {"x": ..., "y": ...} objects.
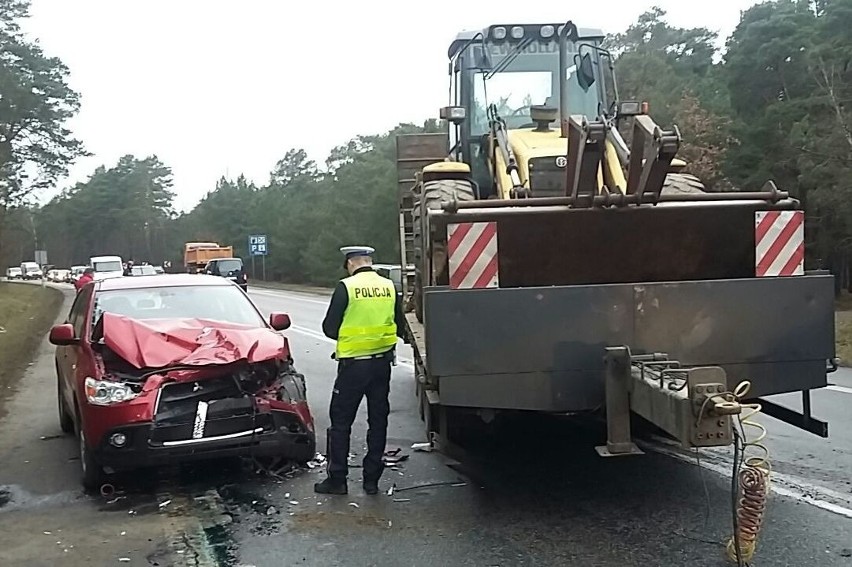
[
  {"x": 143, "y": 270},
  {"x": 31, "y": 271},
  {"x": 168, "y": 368},
  {"x": 76, "y": 272},
  {"x": 231, "y": 268},
  {"x": 14, "y": 273}
]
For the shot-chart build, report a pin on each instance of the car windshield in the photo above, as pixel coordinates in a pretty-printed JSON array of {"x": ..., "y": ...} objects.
[
  {"x": 217, "y": 303},
  {"x": 228, "y": 266},
  {"x": 110, "y": 266}
]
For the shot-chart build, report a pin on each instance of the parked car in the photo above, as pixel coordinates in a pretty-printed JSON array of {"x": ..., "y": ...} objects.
[
  {"x": 76, "y": 272},
  {"x": 58, "y": 275},
  {"x": 175, "y": 367},
  {"x": 143, "y": 270},
  {"x": 231, "y": 268},
  {"x": 392, "y": 272},
  {"x": 14, "y": 273},
  {"x": 31, "y": 271}
]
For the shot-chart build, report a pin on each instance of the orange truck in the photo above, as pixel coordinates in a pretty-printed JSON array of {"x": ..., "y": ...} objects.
[{"x": 197, "y": 254}]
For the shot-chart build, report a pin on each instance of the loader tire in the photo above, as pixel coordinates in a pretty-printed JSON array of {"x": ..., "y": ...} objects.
[
  {"x": 682, "y": 183},
  {"x": 431, "y": 194}
]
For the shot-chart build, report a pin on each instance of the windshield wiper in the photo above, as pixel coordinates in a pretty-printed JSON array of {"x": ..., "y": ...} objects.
[{"x": 509, "y": 58}]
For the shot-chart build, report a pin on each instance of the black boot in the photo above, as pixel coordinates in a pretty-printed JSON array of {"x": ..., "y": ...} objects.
[
  {"x": 371, "y": 486},
  {"x": 331, "y": 486}
]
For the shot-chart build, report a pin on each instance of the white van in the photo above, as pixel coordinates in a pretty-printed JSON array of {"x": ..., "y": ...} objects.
[
  {"x": 31, "y": 271},
  {"x": 106, "y": 267}
]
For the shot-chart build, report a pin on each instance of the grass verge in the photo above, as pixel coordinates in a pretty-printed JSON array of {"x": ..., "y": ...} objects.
[{"x": 26, "y": 315}]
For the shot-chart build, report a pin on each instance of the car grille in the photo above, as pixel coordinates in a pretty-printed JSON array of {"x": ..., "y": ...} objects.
[{"x": 204, "y": 409}]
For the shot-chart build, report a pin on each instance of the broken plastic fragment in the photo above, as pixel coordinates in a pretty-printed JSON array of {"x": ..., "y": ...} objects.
[
  {"x": 294, "y": 502},
  {"x": 166, "y": 503},
  {"x": 354, "y": 504},
  {"x": 424, "y": 447},
  {"x": 271, "y": 510}
]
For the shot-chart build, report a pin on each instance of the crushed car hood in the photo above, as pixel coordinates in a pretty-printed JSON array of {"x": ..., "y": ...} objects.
[{"x": 159, "y": 343}]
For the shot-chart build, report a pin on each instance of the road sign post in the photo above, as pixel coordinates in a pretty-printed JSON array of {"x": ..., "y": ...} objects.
[{"x": 258, "y": 246}]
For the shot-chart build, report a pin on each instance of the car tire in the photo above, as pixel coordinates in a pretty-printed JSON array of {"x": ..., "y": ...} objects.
[
  {"x": 66, "y": 422},
  {"x": 93, "y": 476}
]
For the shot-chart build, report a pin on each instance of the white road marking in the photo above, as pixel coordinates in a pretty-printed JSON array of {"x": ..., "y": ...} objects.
[
  {"x": 843, "y": 389},
  {"x": 785, "y": 485},
  {"x": 287, "y": 295}
]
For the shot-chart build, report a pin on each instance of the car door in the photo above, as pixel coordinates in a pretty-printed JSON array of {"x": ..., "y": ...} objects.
[{"x": 68, "y": 357}]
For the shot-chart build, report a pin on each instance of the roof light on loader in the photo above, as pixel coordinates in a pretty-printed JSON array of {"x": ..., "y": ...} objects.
[
  {"x": 517, "y": 32},
  {"x": 547, "y": 31},
  {"x": 499, "y": 33}
]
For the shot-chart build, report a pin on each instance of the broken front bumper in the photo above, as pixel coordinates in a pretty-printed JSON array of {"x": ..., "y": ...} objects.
[{"x": 274, "y": 433}]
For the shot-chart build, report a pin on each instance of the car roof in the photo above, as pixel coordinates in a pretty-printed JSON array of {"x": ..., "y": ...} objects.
[{"x": 161, "y": 280}]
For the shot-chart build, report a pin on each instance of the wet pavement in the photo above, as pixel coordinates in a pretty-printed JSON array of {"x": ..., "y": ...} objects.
[{"x": 535, "y": 493}]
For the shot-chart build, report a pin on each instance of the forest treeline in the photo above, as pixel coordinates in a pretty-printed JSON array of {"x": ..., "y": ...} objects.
[{"x": 774, "y": 103}]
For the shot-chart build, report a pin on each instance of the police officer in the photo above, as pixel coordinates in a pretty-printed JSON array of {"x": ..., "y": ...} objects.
[{"x": 365, "y": 318}]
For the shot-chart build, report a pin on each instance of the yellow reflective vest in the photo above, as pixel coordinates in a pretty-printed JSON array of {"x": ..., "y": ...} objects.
[{"x": 368, "y": 326}]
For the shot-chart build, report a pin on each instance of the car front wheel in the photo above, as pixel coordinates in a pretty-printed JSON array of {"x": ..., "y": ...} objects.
[{"x": 93, "y": 473}]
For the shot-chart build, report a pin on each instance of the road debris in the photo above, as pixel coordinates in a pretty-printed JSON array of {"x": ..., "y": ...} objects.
[
  {"x": 354, "y": 504},
  {"x": 271, "y": 510},
  {"x": 317, "y": 461},
  {"x": 402, "y": 499},
  {"x": 422, "y": 447},
  {"x": 294, "y": 502},
  {"x": 124, "y": 559},
  {"x": 394, "y": 456},
  {"x": 164, "y": 504},
  {"x": 454, "y": 483}
]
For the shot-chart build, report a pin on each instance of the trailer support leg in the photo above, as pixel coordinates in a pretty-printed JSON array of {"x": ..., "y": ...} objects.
[{"x": 617, "y": 376}]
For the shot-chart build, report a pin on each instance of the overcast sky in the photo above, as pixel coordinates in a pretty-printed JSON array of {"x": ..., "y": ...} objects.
[{"x": 228, "y": 86}]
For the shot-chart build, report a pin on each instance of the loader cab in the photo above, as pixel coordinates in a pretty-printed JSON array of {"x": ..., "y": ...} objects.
[{"x": 516, "y": 67}]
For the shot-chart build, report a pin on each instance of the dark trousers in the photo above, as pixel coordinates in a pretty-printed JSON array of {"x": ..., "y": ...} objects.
[{"x": 356, "y": 379}]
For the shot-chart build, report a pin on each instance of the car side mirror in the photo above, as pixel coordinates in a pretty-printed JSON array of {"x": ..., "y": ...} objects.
[
  {"x": 279, "y": 321},
  {"x": 63, "y": 335}
]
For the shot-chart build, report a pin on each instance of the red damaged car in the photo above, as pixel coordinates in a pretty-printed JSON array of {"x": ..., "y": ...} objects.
[{"x": 167, "y": 368}]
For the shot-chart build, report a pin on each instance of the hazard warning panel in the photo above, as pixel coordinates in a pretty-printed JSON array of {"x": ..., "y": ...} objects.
[
  {"x": 779, "y": 243},
  {"x": 472, "y": 250}
]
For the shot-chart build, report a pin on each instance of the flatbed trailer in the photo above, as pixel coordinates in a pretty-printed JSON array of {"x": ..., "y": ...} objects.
[{"x": 689, "y": 291}]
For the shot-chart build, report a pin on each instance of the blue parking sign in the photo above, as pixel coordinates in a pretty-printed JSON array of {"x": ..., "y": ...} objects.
[{"x": 257, "y": 245}]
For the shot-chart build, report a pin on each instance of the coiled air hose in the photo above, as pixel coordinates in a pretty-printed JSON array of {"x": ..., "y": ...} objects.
[{"x": 753, "y": 480}]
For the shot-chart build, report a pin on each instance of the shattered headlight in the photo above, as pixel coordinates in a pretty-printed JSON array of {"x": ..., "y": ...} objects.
[{"x": 107, "y": 392}]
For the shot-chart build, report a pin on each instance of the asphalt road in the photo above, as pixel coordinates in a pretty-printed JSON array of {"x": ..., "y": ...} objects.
[{"x": 538, "y": 495}]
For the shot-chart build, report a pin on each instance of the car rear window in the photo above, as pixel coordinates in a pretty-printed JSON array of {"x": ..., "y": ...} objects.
[{"x": 228, "y": 266}]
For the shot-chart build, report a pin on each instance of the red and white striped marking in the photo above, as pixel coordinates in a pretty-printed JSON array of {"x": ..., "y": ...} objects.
[
  {"x": 779, "y": 243},
  {"x": 472, "y": 249}
]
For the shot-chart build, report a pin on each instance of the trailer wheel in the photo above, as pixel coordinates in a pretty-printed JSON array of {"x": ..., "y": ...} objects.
[
  {"x": 681, "y": 183},
  {"x": 430, "y": 196}
]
